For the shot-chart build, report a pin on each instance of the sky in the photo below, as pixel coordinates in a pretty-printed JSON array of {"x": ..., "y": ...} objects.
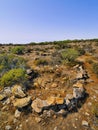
[{"x": 24, "y": 21}]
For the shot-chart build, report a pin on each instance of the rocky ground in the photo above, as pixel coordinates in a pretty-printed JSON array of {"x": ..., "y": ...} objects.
[{"x": 59, "y": 97}]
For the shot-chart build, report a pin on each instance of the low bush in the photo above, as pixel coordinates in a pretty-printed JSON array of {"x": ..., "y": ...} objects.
[
  {"x": 12, "y": 69},
  {"x": 95, "y": 68},
  {"x": 81, "y": 51},
  {"x": 18, "y": 50},
  {"x": 8, "y": 62},
  {"x": 69, "y": 56},
  {"x": 13, "y": 76},
  {"x": 41, "y": 62},
  {"x": 95, "y": 109}
]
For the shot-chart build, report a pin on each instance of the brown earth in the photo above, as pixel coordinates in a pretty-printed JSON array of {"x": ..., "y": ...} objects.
[{"x": 55, "y": 80}]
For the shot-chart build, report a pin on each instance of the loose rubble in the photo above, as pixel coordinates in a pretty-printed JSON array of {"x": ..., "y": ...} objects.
[{"x": 53, "y": 105}]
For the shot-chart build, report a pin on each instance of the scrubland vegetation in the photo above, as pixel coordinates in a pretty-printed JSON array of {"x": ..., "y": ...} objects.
[{"x": 62, "y": 75}]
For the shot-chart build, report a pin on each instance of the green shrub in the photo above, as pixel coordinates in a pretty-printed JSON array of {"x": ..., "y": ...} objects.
[
  {"x": 81, "y": 51},
  {"x": 17, "y": 50},
  {"x": 8, "y": 62},
  {"x": 96, "y": 44},
  {"x": 95, "y": 109},
  {"x": 41, "y": 62},
  {"x": 95, "y": 68},
  {"x": 13, "y": 76},
  {"x": 69, "y": 55}
]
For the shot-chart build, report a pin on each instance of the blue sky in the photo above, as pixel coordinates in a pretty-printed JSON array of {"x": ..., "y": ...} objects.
[{"x": 23, "y": 21}]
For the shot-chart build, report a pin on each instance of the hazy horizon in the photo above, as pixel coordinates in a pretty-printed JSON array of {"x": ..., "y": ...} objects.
[{"x": 24, "y": 21}]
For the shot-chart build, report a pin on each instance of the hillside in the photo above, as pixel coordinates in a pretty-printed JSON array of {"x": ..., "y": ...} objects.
[{"x": 49, "y": 86}]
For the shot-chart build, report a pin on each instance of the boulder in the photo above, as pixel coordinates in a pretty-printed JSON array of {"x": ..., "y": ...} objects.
[
  {"x": 22, "y": 102},
  {"x": 18, "y": 91},
  {"x": 38, "y": 105}
]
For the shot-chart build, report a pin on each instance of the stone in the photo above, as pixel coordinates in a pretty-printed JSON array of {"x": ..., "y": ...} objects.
[
  {"x": 15, "y": 120},
  {"x": 55, "y": 128},
  {"x": 38, "y": 119},
  {"x": 51, "y": 100},
  {"x": 20, "y": 126},
  {"x": 78, "y": 84},
  {"x": 38, "y": 105},
  {"x": 54, "y": 85},
  {"x": 78, "y": 92},
  {"x": 85, "y": 123},
  {"x": 27, "y": 120},
  {"x": 5, "y": 108},
  {"x": 67, "y": 102},
  {"x": 89, "y": 104},
  {"x": 36, "y": 84},
  {"x": 7, "y": 91},
  {"x": 54, "y": 100},
  {"x": 48, "y": 113},
  {"x": 7, "y": 101},
  {"x": 18, "y": 91},
  {"x": 79, "y": 75},
  {"x": 62, "y": 112},
  {"x": 29, "y": 71},
  {"x": 17, "y": 113},
  {"x": 87, "y": 114},
  {"x": 69, "y": 96},
  {"x": 2, "y": 96},
  {"x": 8, "y": 127},
  {"x": 22, "y": 102},
  {"x": 59, "y": 100}
]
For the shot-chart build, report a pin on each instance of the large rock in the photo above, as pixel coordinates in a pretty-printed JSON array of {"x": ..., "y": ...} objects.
[
  {"x": 18, "y": 91},
  {"x": 79, "y": 75},
  {"x": 59, "y": 100},
  {"x": 69, "y": 96},
  {"x": 54, "y": 100},
  {"x": 85, "y": 123},
  {"x": 82, "y": 74},
  {"x": 17, "y": 113},
  {"x": 78, "y": 92},
  {"x": 78, "y": 84},
  {"x": 8, "y": 127},
  {"x": 38, "y": 105},
  {"x": 7, "y": 91},
  {"x": 51, "y": 100},
  {"x": 2, "y": 96},
  {"x": 22, "y": 102}
]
